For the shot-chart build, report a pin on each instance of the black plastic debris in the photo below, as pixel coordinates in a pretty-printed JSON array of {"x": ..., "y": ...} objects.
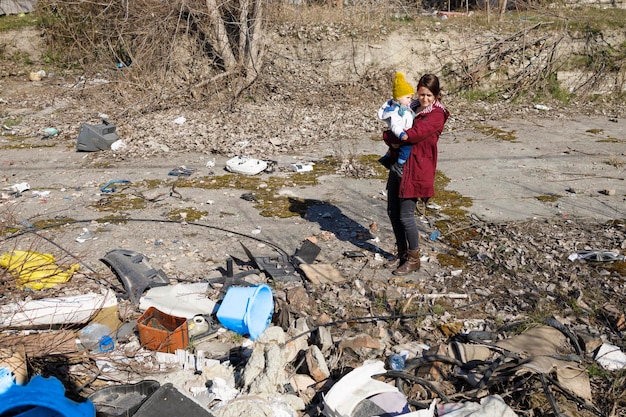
[
  {"x": 133, "y": 270},
  {"x": 167, "y": 401},
  {"x": 249, "y": 197},
  {"x": 278, "y": 267},
  {"x": 353, "y": 254},
  {"x": 283, "y": 267},
  {"x": 123, "y": 400},
  {"x": 181, "y": 171}
]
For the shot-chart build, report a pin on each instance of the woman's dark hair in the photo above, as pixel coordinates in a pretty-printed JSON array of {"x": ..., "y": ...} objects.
[{"x": 431, "y": 82}]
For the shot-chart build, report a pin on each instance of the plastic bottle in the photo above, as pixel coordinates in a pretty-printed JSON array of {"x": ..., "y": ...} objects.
[
  {"x": 396, "y": 362},
  {"x": 197, "y": 326},
  {"x": 96, "y": 337}
]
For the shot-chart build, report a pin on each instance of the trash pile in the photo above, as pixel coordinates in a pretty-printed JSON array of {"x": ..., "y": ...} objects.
[
  {"x": 244, "y": 344},
  {"x": 289, "y": 335}
]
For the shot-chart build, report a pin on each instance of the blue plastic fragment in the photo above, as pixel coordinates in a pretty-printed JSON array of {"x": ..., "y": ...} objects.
[
  {"x": 109, "y": 187},
  {"x": 42, "y": 397},
  {"x": 106, "y": 344},
  {"x": 6, "y": 380},
  {"x": 435, "y": 235}
]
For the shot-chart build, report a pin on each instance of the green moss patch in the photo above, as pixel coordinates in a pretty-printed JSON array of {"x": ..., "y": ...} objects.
[{"x": 500, "y": 134}]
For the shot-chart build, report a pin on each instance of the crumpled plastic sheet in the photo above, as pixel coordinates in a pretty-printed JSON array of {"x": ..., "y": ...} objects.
[
  {"x": 490, "y": 406},
  {"x": 36, "y": 270},
  {"x": 596, "y": 256},
  {"x": 610, "y": 357}
]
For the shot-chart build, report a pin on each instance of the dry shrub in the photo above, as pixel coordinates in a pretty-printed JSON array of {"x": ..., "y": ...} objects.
[
  {"x": 527, "y": 56},
  {"x": 193, "y": 51},
  {"x": 188, "y": 50},
  {"x": 183, "y": 46}
]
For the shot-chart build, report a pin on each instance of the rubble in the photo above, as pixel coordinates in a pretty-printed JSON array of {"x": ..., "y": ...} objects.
[
  {"x": 512, "y": 322},
  {"x": 459, "y": 324}
]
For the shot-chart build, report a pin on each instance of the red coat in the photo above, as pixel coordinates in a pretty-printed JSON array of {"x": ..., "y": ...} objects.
[{"x": 418, "y": 177}]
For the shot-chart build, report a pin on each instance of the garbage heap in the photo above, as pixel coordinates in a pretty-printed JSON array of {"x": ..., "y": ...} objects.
[{"x": 249, "y": 344}]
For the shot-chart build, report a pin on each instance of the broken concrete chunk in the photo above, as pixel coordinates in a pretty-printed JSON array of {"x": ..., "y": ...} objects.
[
  {"x": 317, "y": 364},
  {"x": 274, "y": 378},
  {"x": 363, "y": 345},
  {"x": 273, "y": 334},
  {"x": 324, "y": 339}
]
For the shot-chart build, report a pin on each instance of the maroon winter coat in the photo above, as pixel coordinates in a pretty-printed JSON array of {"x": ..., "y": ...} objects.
[{"x": 418, "y": 177}]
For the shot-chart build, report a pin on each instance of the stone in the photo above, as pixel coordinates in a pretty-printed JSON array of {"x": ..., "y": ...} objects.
[
  {"x": 324, "y": 338},
  {"x": 298, "y": 298},
  {"x": 304, "y": 386},
  {"x": 302, "y": 382},
  {"x": 297, "y": 345},
  {"x": 323, "y": 319},
  {"x": 363, "y": 345},
  {"x": 316, "y": 364}
]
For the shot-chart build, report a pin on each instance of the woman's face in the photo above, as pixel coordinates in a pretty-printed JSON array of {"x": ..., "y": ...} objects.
[{"x": 425, "y": 96}]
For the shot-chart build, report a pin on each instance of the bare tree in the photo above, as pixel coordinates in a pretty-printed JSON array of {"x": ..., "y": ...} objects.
[{"x": 193, "y": 45}]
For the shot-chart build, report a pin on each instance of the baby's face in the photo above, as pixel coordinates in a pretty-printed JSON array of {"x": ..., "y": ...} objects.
[{"x": 405, "y": 100}]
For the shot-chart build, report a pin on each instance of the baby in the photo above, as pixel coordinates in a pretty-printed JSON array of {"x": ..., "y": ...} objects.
[{"x": 399, "y": 116}]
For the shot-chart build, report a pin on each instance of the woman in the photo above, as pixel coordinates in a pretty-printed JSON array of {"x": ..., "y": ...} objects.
[{"x": 416, "y": 178}]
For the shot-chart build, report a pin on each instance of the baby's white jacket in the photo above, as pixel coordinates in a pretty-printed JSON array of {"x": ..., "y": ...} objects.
[{"x": 398, "y": 117}]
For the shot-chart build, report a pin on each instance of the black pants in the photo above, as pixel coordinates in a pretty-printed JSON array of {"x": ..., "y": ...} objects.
[{"x": 401, "y": 212}]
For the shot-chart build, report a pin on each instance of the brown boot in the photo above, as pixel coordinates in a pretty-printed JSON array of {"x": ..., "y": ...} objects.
[
  {"x": 412, "y": 263},
  {"x": 397, "y": 261}
]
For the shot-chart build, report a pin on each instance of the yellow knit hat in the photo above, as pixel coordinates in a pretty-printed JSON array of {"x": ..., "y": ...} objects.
[{"x": 400, "y": 87}]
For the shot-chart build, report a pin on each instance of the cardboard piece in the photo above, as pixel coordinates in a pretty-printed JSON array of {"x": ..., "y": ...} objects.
[{"x": 322, "y": 274}]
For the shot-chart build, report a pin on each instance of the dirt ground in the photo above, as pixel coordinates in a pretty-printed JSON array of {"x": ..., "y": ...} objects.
[
  {"x": 520, "y": 163},
  {"x": 512, "y": 163},
  {"x": 553, "y": 177}
]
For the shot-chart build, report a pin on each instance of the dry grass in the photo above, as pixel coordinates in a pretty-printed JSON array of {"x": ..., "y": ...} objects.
[{"x": 192, "y": 51}]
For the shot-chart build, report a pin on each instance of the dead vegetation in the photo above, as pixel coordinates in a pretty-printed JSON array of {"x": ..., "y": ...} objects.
[
  {"x": 511, "y": 272},
  {"x": 196, "y": 50}
]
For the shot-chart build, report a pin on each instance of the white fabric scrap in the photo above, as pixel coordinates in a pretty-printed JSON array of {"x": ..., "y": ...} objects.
[
  {"x": 490, "y": 406},
  {"x": 610, "y": 357}
]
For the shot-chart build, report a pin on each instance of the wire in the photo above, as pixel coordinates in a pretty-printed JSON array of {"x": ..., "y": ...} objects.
[
  {"x": 273, "y": 245},
  {"x": 581, "y": 403},
  {"x": 549, "y": 396},
  {"x": 358, "y": 319},
  {"x": 401, "y": 375}
]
